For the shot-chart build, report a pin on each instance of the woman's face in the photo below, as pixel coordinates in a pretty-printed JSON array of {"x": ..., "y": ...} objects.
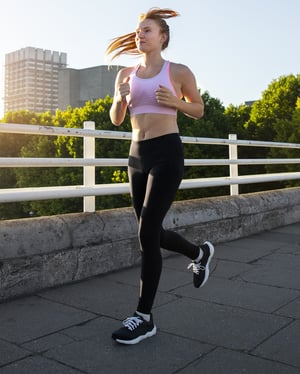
[{"x": 148, "y": 36}]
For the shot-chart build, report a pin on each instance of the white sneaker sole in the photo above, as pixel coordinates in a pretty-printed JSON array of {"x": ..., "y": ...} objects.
[
  {"x": 139, "y": 338},
  {"x": 212, "y": 251}
]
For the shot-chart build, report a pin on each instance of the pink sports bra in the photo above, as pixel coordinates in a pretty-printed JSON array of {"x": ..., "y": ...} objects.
[{"x": 142, "y": 92}]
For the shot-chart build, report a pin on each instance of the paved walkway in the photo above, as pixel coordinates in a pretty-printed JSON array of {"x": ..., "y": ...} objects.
[{"x": 245, "y": 320}]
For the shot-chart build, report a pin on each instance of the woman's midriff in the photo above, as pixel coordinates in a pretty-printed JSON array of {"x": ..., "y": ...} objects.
[{"x": 148, "y": 126}]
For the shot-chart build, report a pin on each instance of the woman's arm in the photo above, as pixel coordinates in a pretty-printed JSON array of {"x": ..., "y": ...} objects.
[
  {"x": 184, "y": 81},
  {"x": 119, "y": 106}
]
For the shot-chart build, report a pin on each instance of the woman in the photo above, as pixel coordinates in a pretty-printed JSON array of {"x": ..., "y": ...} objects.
[{"x": 153, "y": 92}]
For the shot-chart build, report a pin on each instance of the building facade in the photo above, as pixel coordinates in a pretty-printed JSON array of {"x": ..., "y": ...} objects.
[
  {"x": 38, "y": 80},
  {"x": 77, "y": 86},
  {"x": 31, "y": 79}
]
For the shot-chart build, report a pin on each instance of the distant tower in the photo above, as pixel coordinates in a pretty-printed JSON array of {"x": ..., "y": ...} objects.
[{"x": 31, "y": 79}]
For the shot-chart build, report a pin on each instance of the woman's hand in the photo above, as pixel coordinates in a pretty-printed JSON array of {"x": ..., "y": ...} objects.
[
  {"x": 165, "y": 97},
  {"x": 124, "y": 89}
]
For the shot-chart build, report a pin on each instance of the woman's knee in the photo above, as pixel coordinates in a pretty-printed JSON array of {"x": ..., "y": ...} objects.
[{"x": 149, "y": 236}]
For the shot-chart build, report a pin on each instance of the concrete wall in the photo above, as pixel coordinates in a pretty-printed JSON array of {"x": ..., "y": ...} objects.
[{"x": 38, "y": 253}]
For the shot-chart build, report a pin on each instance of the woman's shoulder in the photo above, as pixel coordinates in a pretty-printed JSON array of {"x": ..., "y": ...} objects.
[
  {"x": 128, "y": 68},
  {"x": 124, "y": 72},
  {"x": 179, "y": 69}
]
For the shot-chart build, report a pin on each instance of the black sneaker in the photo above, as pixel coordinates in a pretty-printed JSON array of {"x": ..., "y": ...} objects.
[
  {"x": 201, "y": 268},
  {"x": 134, "y": 330}
]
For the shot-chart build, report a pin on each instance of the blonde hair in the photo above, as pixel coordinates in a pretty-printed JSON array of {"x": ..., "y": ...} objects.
[{"x": 125, "y": 44}]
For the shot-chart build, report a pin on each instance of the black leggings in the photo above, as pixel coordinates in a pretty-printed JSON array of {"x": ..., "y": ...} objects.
[{"x": 155, "y": 170}]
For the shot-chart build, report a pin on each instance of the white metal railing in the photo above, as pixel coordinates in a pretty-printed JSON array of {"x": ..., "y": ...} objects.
[{"x": 89, "y": 189}]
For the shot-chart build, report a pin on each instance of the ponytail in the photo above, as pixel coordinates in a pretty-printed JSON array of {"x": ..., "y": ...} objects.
[{"x": 125, "y": 44}]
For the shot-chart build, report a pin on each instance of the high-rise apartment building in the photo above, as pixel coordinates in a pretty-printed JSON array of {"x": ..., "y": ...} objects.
[{"x": 31, "y": 79}]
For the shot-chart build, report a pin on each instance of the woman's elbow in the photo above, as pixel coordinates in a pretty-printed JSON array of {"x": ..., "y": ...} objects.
[
  {"x": 114, "y": 119},
  {"x": 200, "y": 112},
  {"x": 115, "y": 122}
]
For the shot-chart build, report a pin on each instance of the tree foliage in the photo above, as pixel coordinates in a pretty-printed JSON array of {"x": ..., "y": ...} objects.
[
  {"x": 287, "y": 131},
  {"x": 277, "y": 103}
]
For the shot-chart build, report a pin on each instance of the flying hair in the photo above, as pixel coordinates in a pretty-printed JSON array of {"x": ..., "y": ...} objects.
[{"x": 125, "y": 44}]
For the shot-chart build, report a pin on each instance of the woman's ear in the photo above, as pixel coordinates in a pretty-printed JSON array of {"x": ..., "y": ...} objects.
[{"x": 163, "y": 38}]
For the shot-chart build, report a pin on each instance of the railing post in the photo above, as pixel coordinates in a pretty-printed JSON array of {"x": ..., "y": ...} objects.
[
  {"x": 233, "y": 168},
  {"x": 89, "y": 171}
]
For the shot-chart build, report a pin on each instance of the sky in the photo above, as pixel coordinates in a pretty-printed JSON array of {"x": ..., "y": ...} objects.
[{"x": 235, "y": 48}]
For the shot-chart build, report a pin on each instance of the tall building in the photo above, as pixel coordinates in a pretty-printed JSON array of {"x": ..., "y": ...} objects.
[
  {"x": 77, "y": 86},
  {"x": 31, "y": 79}
]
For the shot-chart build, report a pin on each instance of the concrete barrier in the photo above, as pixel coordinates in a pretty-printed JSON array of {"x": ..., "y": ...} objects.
[{"x": 38, "y": 253}]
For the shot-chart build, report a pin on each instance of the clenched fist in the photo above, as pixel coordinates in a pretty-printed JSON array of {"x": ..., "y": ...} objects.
[
  {"x": 165, "y": 97},
  {"x": 124, "y": 88}
]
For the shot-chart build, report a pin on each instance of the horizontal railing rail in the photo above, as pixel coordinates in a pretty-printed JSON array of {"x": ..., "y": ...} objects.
[
  {"x": 89, "y": 189},
  {"x": 85, "y": 132},
  {"x": 7, "y": 162}
]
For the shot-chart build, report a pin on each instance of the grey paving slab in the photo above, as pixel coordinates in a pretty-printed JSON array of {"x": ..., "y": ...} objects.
[
  {"x": 98, "y": 295},
  {"x": 177, "y": 262},
  {"x": 291, "y": 310},
  {"x": 246, "y": 251},
  {"x": 38, "y": 365},
  {"x": 47, "y": 342},
  {"x": 32, "y": 317},
  {"x": 170, "y": 278},
  {"x": 274, "y": 275},
  {"x": 293, "y": 249},
  {"x": 283, "y": 346},
  {"x": 290, "y": 229},
  {"x": 285, "y": 261},
  {"x": 281, "y": 237},
  {"x": 224, "y": 361},
  {"x": 97, "y": 354},
  {"x": 92, "y": 329},
  {"x": 130, "y": 276},
  {"x": 241, "y": 294},
  {"x": 228, "y": 269},
  {"x": 10, "y": 352},
  {"x": 256, "y": 243},
  {"x": 218, "y": 324}
]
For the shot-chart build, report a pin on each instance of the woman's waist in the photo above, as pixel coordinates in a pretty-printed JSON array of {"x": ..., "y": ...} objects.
[{"x": 152, "y": 126}]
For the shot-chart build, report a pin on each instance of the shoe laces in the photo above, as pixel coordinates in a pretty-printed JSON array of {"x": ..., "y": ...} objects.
[
  {"x": 132, "y": 322},
  {"x": 197, "y": 267}
]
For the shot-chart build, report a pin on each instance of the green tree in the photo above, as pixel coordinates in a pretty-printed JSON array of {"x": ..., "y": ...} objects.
[
  {"x": 287, "y": 131},
  {"x": 10, "y": 146},
  {"x": 278, "y": 102},
  {"x": 214, "y": 125},
  {"x": 236, "y": 117},
  {"x": 63, "y": 146}
]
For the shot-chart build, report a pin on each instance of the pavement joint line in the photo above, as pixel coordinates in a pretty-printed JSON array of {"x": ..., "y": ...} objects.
[
  {"x": 195, "y": 360},
  {"x": 273, "y": 334},
  {"x": 287, "y": 303}
]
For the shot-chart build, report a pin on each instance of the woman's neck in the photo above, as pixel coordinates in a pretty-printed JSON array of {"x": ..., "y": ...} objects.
[{"x": 152, "y": 60}]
